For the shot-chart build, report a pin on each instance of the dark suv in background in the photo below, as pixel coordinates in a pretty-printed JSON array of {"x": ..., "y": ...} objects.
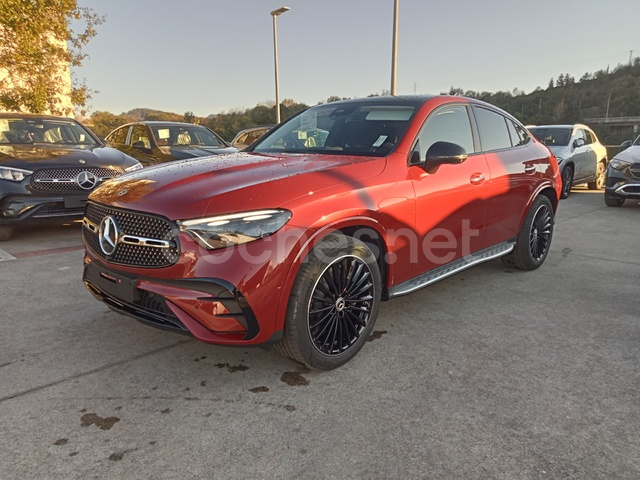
[
  {"x": 157, "y": 142},
  {"x": 48, "y": 166},
  {"x": 623, "y": 175}
]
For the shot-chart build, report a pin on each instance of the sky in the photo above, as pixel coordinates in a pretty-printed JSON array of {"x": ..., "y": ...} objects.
[{"x": 214, "y": 56}]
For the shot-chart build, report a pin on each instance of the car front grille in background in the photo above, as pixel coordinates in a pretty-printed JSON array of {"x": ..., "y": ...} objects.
[
  {"x": 157, "y": 230},
  {"x": 635, "y": 170},
  {"x": 66, "y": 179}
]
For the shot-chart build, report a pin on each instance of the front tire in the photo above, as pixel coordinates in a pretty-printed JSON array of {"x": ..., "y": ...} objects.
[
  {"x": 611, "y": 200},
  {"x": 333, "y": 305},
  {"x": 598, "y": 181},
  {"x": 567, "y": 182},
  {"x": 6, "y": 233},
  {"x": 534, "y": 239}
]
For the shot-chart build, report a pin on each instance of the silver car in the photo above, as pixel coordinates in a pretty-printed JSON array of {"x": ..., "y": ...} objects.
[{"x": 581, "y": 156}]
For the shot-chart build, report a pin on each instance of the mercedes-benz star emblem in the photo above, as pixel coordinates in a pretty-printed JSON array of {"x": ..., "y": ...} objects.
[
  {"x": 86, "y": 180},
  {"x": 108, "y": 235}
]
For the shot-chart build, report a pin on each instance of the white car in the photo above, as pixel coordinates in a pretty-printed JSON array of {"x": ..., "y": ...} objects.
[{"x": 581, "y": 157}]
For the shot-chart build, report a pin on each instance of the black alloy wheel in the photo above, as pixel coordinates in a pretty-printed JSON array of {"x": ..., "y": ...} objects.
[
  {"x": 540, "y": 233},
  {"x": 534, "y": 239},
  {"x": 340, "y": 305},
  {"x": 567, "y": 181},
  {"x": 333, "y": 304}
]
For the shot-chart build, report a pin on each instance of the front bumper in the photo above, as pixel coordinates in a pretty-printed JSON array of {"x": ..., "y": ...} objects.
[
  {"x": 622, "y": 184},
  {"x": 23, "y": 209},
  {"x": 233, "y": 296},
  {"x": 210, "y": 309}
]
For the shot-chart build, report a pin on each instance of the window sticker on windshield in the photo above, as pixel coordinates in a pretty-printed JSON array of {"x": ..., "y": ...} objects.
[
  {"x": 380, "y": 140},
  {"x": 309, "y": 121},
  {"x": 4, "y": 125},
  {"x": 163, "y": 133},
  {"x": 302, "y": 135}
]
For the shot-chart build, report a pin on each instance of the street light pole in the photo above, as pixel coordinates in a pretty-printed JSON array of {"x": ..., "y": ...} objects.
[
  {"x": 274, "y": 14},
  {"x": 394, "y": 53}
]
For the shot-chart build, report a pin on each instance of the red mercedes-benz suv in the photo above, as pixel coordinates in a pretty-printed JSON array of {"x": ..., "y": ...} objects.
[{"x": 296, "y": 240}]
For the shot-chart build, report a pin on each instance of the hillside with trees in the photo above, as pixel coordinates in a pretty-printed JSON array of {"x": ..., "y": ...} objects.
[{"x": 605, "y": 93}]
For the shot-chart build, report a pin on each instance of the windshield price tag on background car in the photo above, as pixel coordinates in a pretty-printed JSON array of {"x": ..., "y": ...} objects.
[
  {"x": 380, "y": 140},
  {"x": 309, "y": 121}
]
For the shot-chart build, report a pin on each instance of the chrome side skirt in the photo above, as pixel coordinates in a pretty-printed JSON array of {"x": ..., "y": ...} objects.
[{"x": 449, "y": 269}]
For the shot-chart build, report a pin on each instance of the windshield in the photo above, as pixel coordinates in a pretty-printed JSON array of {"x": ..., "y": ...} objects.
[
  {"x": 552, "y": 137},
  {"x": 347, "y": 128},
  {"x": 185, "y": 136},
  {"x": 31, "y": 131}
]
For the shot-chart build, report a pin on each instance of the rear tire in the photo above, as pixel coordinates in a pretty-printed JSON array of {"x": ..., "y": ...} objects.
[
  {"x": 6, "y": 233},
  {"x": 567, "y": 182},
  {"x": 333, "y": 304},
  {"x": 612, "y": 200},
  {"x": 598, "y": 181},
  {"x": 534, "y": 239}
]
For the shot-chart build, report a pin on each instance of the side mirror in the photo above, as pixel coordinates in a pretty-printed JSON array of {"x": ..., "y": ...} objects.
[
  {"x": 441, "y": 153},
  {"x": 626, "y": 144},
  {"x": 578, "y": 142}
]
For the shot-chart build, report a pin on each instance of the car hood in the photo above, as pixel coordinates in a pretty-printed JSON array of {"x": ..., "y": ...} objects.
[
  {"x": 631, "y": 154},
  {"x": 560, "y": 151},
  {"x": 181, "y": 153},
  {"x": 232, "y": 183},
  {"x": 33, "y": 157}
]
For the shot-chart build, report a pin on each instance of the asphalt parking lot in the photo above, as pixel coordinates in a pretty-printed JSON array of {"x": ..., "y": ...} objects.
[{"x": 490, "y": 374}]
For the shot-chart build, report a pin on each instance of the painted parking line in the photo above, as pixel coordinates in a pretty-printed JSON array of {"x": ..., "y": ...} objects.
[
  {"x": 51, "y": 251},
  {"x": 4, "y": 256}
]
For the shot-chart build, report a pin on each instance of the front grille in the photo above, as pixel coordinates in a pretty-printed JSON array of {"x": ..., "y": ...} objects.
[
  {"x": 635, "y": 170},
  {"x": 65, "y": 179},
  {"x": 136, "y": 224}
]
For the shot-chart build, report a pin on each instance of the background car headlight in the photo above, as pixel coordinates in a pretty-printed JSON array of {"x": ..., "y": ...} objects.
[
  {"x": 135, "y": 166},
  {"x": 559, "y": 159},
  {"x": 227, "y": 230},
  {"x": 619, "y": 164},
  {"x": 14, "y": 174}
]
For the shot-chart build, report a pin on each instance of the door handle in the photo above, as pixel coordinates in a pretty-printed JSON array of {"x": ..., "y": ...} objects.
[
  {"x": 530, "y": 169},
  {"x": 477, "y": 179}
]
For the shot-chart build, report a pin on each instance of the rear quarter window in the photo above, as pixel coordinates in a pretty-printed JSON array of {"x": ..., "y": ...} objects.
[{"x": 494, "y": 133}]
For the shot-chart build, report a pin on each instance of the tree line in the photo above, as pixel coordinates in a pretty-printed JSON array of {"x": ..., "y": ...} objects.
[{"x": 614, "y": 93}]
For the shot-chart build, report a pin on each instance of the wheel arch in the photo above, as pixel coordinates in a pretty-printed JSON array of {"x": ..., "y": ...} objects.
[{"x": 365, "y": 229}]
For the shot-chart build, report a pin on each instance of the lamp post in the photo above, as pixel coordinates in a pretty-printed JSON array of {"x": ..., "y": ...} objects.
[
  {"x": 394, "y": 52},
  {"x": 274, "y": 14}
]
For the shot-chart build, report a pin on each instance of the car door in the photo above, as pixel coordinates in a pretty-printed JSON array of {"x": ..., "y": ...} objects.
[
  {"x": 581, "y": 156},
  {"x": 515, "y": 172},
  {"x": 591, "y": 164},
  {"x": 450, "y": 203}
]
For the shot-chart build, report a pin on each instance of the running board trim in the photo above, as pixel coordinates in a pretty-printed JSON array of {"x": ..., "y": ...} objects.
[{"x": 440, "y": 273}]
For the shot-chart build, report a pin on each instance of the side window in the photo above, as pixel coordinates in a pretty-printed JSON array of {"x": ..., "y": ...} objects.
[
  {"x": 494, "y": 134},
  {"x": 588, "y": 136},
  {"x": 139, "y": 134},
  {"x": 447, "y": 124},
  {"x": 119, "y": 136},
  {"x": 519, "y": 135}
]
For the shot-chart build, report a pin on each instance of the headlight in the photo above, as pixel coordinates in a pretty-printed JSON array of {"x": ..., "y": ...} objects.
[
  {"x": 559, "y": 159},
  {"x": 619, "y": 164},
  {"x": 14, "y": 174},
  {"x": 135, "y": 166},
  {"x": 227, "y": 230}
]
